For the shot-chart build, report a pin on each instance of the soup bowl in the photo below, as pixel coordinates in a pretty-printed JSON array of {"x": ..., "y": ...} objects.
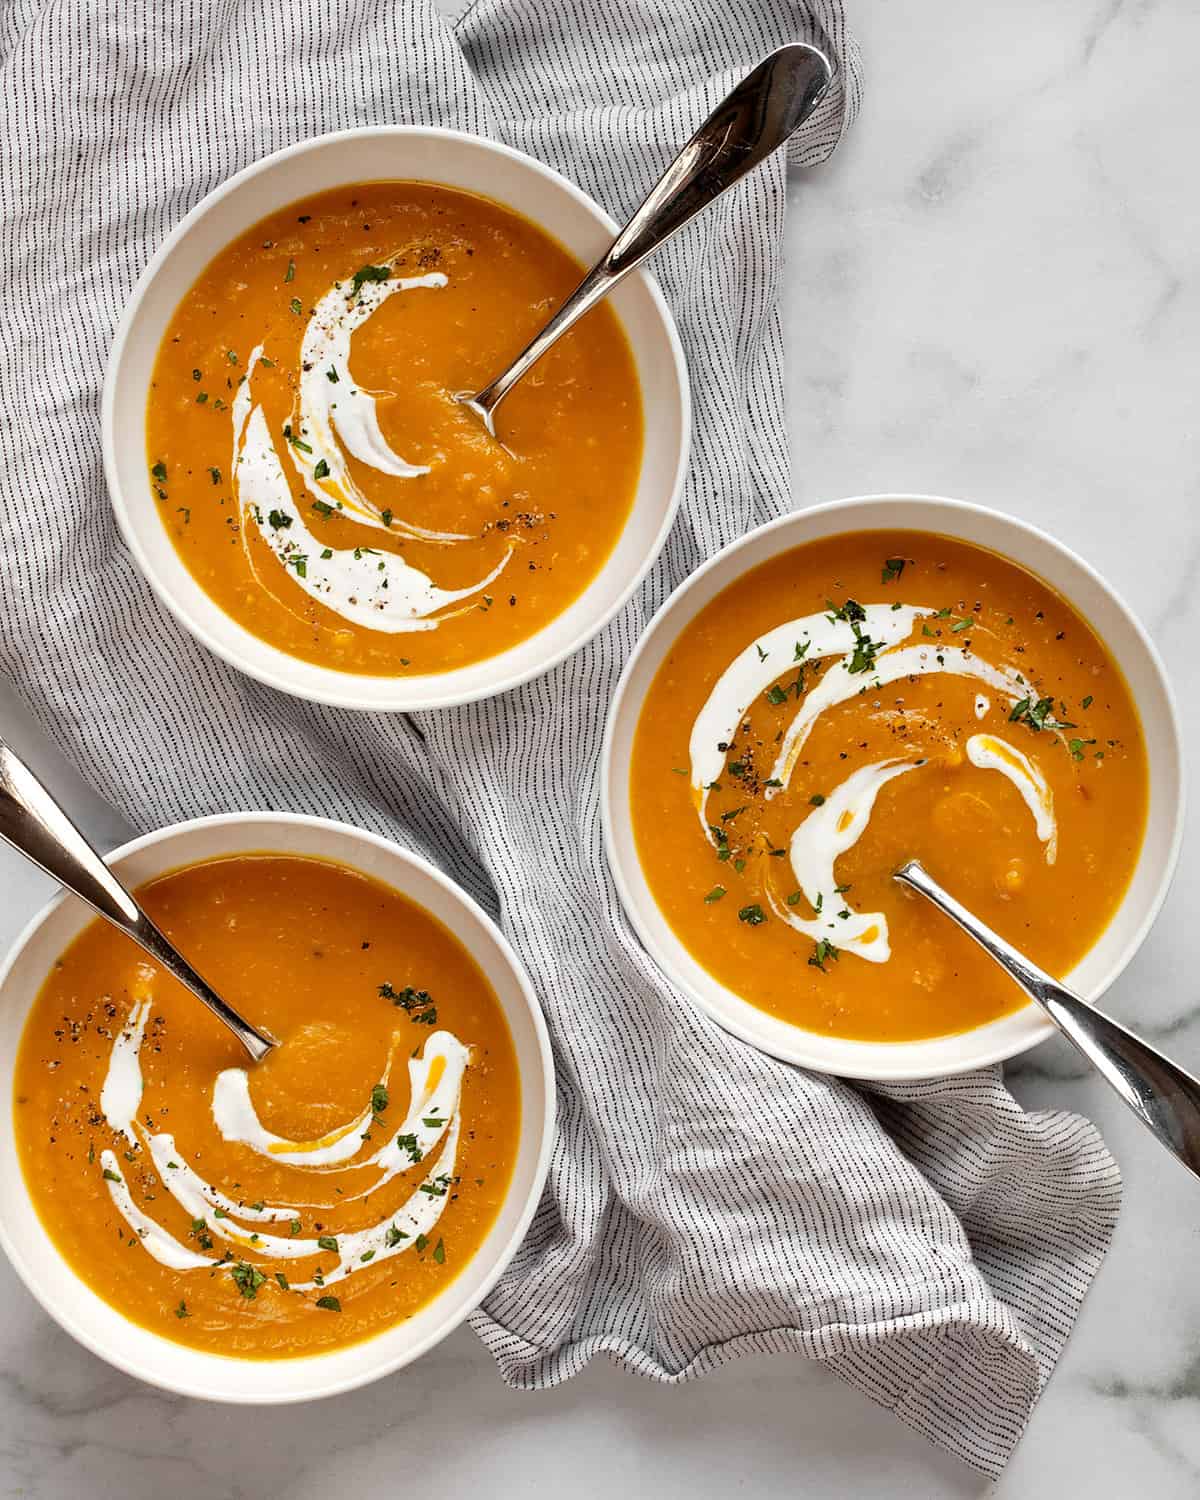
[
  {"x": 194, "y": 1372},
  {"x": 453, "y": 159},
  {"x": 1128, "y": 644}
]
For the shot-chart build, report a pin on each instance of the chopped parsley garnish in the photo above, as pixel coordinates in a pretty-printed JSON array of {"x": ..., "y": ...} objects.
[
  {"x": 215, "y": 474},
  {"x": 753, "y": 915},
  {"x": 823, "y": 950},
  {"x": 110, "y": 1176},
  {"x": 1076, "y": 748},
  {"x": 327, "y": 1242},
  {"x": 409, "y": 1143},
  {"x": 322, "y": 507},
  {"x": 1087, "y": 702},
  {"x": 295, "y": 441},
  {"x": 393, "y": 1236},
  {"x": 300, "y": 563},
  {"x": 294, "y": 1226},
  {"x": 370, "y": 273},
  {"x": 247, "y": 1279},
  {"x": 159, "y": 471},
  {"x": 290, "y": 273},
  {"x": 296, "y": 305},
  {"x": 1038, "y": 714},
  {"x": 417, "y": 1004},
  {"x": 960, "y": 625},
  {"x": 379, "y": 1099},
  {"x": 279, "y": 519},
  {"x": 284, "y": 1283},
  {"x": 330, "y": 1304},
  {"x": 420, "y": 1242},
  {"x": 795, "y": 898},
  {"x": 386, "y": 517},
  {"x": 439, "y": 1252},
  {"x": 892, "y": 568},
  {"x": 715, "y": 894},
  {"x": 776, "y": 694},
  {"x": 331, "y": 375},
  {"x": 321, "y": 469},
  {"x": 817, "y": 799},
  {"x": 182, "y": 1310}
]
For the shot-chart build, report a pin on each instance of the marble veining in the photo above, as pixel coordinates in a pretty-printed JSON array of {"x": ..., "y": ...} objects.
[{"x": 993, "y": 292}]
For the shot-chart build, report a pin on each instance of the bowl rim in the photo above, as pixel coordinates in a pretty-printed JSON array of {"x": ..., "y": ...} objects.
[
  {"x": 340, "y": 690},
  {"x": 805, "y": 1051},
  {"x": 183, "y": 1385}
]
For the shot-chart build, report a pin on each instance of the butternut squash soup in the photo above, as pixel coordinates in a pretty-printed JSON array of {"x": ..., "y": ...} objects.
[
  {"x": 314, "y": 470},
  {"x": 867, "y": 699},
  {"x": 301, "y": 1204}
]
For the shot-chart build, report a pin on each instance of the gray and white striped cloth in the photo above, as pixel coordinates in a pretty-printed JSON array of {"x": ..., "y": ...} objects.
[{"x": 929, "y": 1243}]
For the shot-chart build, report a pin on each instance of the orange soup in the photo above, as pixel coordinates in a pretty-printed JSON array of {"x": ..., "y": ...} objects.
[
  {"x": 295, "y": 1206},
  {"x": 864, "y": 700},
  {"x": 314, "y": 470}
]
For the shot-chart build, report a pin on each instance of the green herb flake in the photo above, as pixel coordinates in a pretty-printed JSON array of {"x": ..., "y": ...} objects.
[
  {"x": 439, "y": 1253},
  {"x": 892, "y": 568},
  {"x": 284, "y": 1283},
  {"x": 247, "y": 1279},
  {"x": 370, "y": 273},
  {"x": 330, "y": 1304},
  {"x": 817, "y": 799},
  {"x": 321, "y": 469},
  {"x": 823, "y": 951},
  {"x": 296, "y": 305},
  {"x": 379, "y": 1099},
  {"x": 715, "y": 894},
  {"x": 290, "y": 273},
  {"x": 327, "y": 1242},
  {"x": 753, "y": 916},
  {"x": 159, "y": 471},
  {"x": 182, "y": 1310}
]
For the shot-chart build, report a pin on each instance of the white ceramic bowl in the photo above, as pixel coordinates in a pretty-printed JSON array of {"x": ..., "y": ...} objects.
[
  {"x": 1143, "y": 670},
  {"x": 215, "y": 1377},
  {"x": 456, "y": 160}
]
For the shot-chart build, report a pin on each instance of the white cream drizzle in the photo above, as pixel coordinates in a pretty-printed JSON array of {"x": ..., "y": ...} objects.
[
  {"x": 991, "y": 753},
  {"x": 330, "y": 398},
  {"x": 432, "y": 1118},
  {"x": 122, "y": 1091},
  {"x": 837, "y": 823},
  {"x": 781, "y": 651},
  {"x": 823, "y": 837},
  {"x": 378, "y": 590},
  {"x": 839, "y": 686}
]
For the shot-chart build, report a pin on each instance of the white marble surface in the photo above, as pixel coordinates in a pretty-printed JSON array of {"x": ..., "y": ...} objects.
[{"x": 991, "y": 292}]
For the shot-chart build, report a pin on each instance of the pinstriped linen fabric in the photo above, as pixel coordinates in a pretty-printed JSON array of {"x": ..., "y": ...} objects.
[{"x": 930, "y": 1243}]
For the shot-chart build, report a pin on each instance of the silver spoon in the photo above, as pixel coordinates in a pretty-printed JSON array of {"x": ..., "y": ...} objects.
[
  {"x": 760, "y": 114},
  {"x": 34, "y": 824},
  {"x": 1165, "y": 1098}
]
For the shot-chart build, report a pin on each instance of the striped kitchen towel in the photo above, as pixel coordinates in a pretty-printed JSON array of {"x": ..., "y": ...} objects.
[{"x": 930, "y": 1243}]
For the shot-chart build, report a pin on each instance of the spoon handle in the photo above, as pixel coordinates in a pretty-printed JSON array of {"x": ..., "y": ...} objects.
[
  {"x": 765, "y": 108},
  {"x": 1163, "y": 1096},
  {"x": 34, "y": 824}
]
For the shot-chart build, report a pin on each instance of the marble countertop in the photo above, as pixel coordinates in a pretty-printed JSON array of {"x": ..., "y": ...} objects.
[{"x": 992, "y": 292}]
